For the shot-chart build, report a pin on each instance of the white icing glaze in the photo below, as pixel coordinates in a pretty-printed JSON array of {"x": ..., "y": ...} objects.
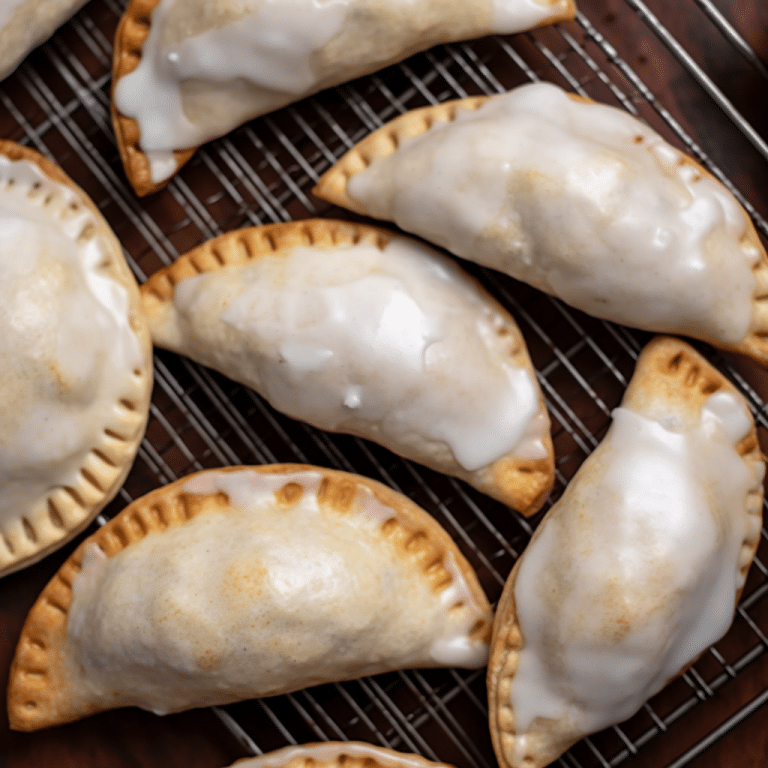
[
  {"x": 634, "y": 572},
  {"x": 330, "y": 752},
  {"x": 260, "y": 597},
  {"x": 579, "y": 200},
  {"x": 236, "y": 59},
  {"x": 397, "y": 345},
  {"x": 66, "y": 345}
]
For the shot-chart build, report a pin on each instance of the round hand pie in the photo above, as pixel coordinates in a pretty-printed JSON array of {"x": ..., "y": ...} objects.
[
  {"x": 76, "y": 359},
  {"x": 337, "y": 754}
]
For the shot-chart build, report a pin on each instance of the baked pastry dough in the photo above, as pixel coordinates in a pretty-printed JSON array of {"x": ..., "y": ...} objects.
[
  {"x": 76, "y": 359},
  {"x": 245, "y": 582},
  {"x": 578, "y": 199},
  {"x": 356, "y": 330},
  {"x": 186, "y": 71},
  {"x": 635, "y": 571},
  {"x": 337, "y": 754},
  {"x": 25, "y": 24}
]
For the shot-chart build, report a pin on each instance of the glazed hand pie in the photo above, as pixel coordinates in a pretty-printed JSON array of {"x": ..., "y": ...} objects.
[
  {"x": 76, "y": 359},
  {"x": 187, "y": 71},
  {"x": 578, "y": 199},
  {"x": 337, "y": 754},
  {"x": 357, "y": 330},
  {"x": 245, "y": 582},
  {"x": 635, "y": 571},
  {"x": 25, "y": 24}
]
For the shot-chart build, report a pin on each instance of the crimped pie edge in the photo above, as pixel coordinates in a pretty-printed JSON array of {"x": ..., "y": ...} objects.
[
  {"x": 349, "y": 754},
  {"x": 37, "y": 676},
  {"x": 66, "y": 511}
]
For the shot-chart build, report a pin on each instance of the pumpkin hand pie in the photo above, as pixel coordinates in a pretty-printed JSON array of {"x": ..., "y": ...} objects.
[
  {"x": 76, "y": 359},
  {"x": 187, "y": 71},
  {"x": 246, "y": 582},
  {"x": 337, "y": 754},
  {"x": 358, "y": 330},
  {"x": 578, "y": 199},
  {"x": 636, "y": 570}
]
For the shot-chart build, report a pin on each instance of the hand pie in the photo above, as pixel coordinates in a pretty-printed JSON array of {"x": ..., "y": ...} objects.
[
  {"x": 635, "y": 571},
  {"x": 238, "y": 583},
  {"x": 337, "y": 754},
  {"x": 25, "y": 24},
  {"x": 76, "y": 359},
  {"x": 356, "y": 330},
  {"x": 578, "y": 199},
  {"x": 187, "y": 71}
]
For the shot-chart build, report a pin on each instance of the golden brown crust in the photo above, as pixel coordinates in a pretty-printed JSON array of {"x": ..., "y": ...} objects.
[
  {"x": 349, "y": 754},
  {"x": 131, "y": 33},
  {"x": 668, "y": 371},
  {"x": 39, "y": 693},
  {"x": 239, "y": 247},
  {"x": 67, "y": 510},
  {"x": 332, "y": 185},
  {"x": 522, "y": 484}
]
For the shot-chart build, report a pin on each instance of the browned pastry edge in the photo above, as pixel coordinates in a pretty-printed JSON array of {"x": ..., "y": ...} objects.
[
  {"x": 131, "y": 33},
  {"x": 67, "y": 510},
  {"x": 38, "y": 694},
  {"x": 523, "y": 484},
  {"x": 349, "y": 754},
  {"x": 384, "y": 141},
  {"x": 668, "y": 370}
]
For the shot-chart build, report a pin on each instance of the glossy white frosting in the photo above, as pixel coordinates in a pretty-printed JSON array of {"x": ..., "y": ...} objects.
[
  {"x": 206, "y": 66},
  {"x": 394, "y": 344},
  {"x": 262, "y": 597},
  {"x": 635, "y": 570},
  {"x": 66, "y": 345},
  {"x": 580, "y": 200}
]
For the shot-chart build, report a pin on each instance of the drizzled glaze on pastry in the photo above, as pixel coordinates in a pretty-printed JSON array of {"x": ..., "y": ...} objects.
[
  {"x": 247, "y": 582},
  {"x": 75, "y": 360},
  {"x": 207, "y": 66},
  {"x": 384, "y": 338},
  {"x": 578, "y": 199},
  {"x": 635, "y": 571}
]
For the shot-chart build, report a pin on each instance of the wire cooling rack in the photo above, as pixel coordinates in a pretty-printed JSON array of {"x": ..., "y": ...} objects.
[{"x": 703, "y": 94}]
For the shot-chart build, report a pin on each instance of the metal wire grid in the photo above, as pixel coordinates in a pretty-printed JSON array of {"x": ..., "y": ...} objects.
[{"x": 58, "y": 103}]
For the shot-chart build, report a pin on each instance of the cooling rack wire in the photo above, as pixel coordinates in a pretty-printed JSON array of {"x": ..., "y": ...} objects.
[{"x": 693, "y": 72}]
